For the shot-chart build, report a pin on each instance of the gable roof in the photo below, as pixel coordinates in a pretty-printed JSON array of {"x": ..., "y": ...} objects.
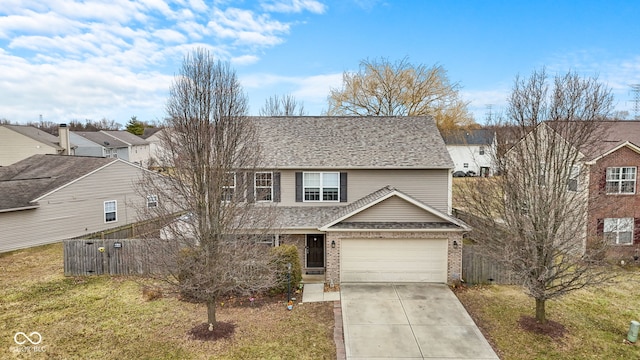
[
  {"x": 126, "y": 137},
  {"x": 31, "y": 178},
  {"x": 611, "y": 136},
  {"x": 469, "y": 137},
  {"x": 448, "y": 222},
  {"x": 36, "y": 134},
  {"x": 348, "y": 142},
  {"x": 101, "y": 139},
  {"x": 150, "y": 131}
]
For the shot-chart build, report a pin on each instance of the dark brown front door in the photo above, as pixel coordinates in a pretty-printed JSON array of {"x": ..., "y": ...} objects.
[{"x": 315, "y": 251}]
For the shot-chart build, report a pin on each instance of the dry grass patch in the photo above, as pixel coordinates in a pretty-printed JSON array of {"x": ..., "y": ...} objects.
[
  {"x": 105, "y": 317},
  {"x": 595, "y": 321}
]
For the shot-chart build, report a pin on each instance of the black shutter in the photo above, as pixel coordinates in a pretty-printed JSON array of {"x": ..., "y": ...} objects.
[
  {"x": 603, "y": 182},
  {"x": 251, "y": 182},
  {"x": 636, "y": 231},
  {"x": 343, "y": 187},
  {"x": 600, "y": 227},
  {"x": 298, "y": 187},
  {"x": 276, "y": 187},
  {"x": 239, "y": 192}
]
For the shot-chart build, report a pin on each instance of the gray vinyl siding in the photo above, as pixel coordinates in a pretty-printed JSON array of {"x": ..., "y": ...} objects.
[
  {"x": 75, "y": 210},
  {"x": 394, "y": 209},
  {"x": 428, "y": 186},
  {"x": 85, "y": 147}
]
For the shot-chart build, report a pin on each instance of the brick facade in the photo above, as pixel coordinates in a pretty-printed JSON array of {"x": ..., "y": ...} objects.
[{"x": 602, "y": 205}]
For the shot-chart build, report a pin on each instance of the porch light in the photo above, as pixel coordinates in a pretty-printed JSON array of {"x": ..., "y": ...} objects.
[
  {"x": 333, "y": 244},
  {"x": 455, "y": 244}
]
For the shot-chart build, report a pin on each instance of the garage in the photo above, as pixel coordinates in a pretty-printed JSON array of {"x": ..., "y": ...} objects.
[{"x": 393, "y": 260}]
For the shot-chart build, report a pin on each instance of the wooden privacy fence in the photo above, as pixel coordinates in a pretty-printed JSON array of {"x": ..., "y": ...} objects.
[
  {"x": 109, "y": 256},
  {"x": 481, "y": 269}
]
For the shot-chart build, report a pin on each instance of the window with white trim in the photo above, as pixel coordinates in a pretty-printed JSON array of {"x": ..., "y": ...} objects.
[
  {"x": 110, "y": 211},
  {"x": 465, "y": 165},
  {"x": 228, "y": 186},
  {"x": 619, "y": 230},
  {"x": 263, "y": 186},
  {"x": 572, "y": 183},
  {"x": 481, "y": 151},
  {"x": 152, "y": 201},
  {"x": 321, "y": 186},
  {"x": 621, "y": 180}
]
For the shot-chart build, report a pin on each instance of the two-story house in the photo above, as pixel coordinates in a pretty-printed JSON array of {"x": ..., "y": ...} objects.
[
  {"x": 473, "y": 151},
  {"x": 49, "y": 198},
  {"x": 363, "y": 198},
  {"x": 112, "y": 143},
  {"x": 614, "y": 199},
  {"x": 606, "y": 177},
  {"x": 18, "y": 142}
]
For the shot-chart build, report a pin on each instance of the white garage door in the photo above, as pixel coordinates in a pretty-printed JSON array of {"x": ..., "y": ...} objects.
[{"x": 393, "y": 260}]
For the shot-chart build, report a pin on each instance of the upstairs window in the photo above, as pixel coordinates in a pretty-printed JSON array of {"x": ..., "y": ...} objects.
[
  {"x": 228, "y": 186},
  {"x": 263, "y": 186},
  {"x": 152, "y": 201},
  {"x": 619, "y": 230},
  {"x": 321, "y": 186},
  {"x": 481, "y": 150},
  {"x": 572, "y": 183},
  {"x": 110, "y": 211},
  {"x": 621, "y": 180}
]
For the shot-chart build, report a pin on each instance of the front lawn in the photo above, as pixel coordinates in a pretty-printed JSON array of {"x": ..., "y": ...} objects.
[
  {"x": 104, "y": 317},
  {"x": 596, "y": 321}
]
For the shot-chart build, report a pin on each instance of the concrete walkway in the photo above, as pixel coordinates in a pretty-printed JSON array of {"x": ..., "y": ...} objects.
[
  {"x": 409, "y": 321},
  {"x": 315, "y": 293}
]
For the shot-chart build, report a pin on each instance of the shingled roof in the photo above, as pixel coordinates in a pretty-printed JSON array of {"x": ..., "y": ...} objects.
[
  {"x": 468, "y": 137},
  {"x": 36, "y": 134},
  {"x": 349, "y": 142},
  {"x": 29, "y": 179}
]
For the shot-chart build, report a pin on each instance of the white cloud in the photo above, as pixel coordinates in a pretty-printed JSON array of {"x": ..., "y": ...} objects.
[{"x": 294, "y": 6}]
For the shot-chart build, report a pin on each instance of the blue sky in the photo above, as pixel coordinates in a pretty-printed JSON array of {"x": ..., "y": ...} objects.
[{"x": 93, "y": 59}]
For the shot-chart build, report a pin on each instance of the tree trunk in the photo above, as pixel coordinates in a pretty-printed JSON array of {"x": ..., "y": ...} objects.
[
  {"x": 211, "y": 311},
  {"x": 541, "y": 315}
]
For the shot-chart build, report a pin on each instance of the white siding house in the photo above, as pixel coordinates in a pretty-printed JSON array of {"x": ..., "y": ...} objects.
[{"x": 472, "y": 151}]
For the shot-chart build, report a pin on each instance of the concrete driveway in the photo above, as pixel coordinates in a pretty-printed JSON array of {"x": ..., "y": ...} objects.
[{"x": 408, "y": 321}]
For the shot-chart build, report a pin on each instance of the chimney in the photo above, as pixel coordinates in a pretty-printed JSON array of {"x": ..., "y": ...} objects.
[{"x": 63, "y": 134}]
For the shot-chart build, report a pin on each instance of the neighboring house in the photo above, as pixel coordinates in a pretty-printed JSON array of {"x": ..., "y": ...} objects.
[
  {"x": 365, "y": 199},
  {"x": 49, "y": 198},
  {"x": 154, "y": 137},
  {"x": 608, "y": 175},
  {"x": 614, "y": 196},
  {"x": 472, "y": 151},
  {"x": 18, "y": 142},
  {"x": 116, "y": 144}
]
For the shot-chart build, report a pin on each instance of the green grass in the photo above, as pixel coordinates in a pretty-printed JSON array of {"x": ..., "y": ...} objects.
[
  {"x": 104, "y": 317},
  {"x": 596, "y": 319}
]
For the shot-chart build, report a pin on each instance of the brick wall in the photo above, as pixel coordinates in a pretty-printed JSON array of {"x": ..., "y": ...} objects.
[{"x": 602, "y": 205}]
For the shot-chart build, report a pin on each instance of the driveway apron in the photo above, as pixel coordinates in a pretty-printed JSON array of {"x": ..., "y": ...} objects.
[{"x": 408, "y": 321}]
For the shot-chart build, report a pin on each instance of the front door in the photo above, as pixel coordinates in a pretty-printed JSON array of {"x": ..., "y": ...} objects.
[{"x": 315, "y": 251}]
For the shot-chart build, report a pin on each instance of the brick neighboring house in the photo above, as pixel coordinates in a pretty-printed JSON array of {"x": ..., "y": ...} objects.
[
  {"x": 365, "y": 199},
  {"x": 614, "y": 197}
]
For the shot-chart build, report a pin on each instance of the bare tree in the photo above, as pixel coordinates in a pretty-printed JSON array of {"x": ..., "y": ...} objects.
[
  {"x": 383, "y": 88},
  {"x": 210, "y": 145},
  {"x": 285, "y": 105},
  {"x": 533, "y": 218}
]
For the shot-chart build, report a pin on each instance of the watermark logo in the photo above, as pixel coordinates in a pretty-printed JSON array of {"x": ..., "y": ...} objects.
[
  {"x": 27, "y": 343},
  {"x": 20, "y": 335}
]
